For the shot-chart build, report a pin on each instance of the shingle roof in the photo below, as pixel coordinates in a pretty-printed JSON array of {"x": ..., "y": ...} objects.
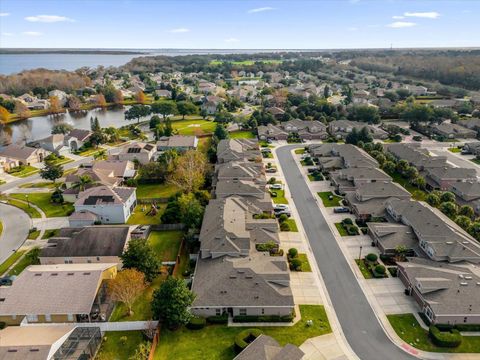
[{"x": 267, "y": 348}]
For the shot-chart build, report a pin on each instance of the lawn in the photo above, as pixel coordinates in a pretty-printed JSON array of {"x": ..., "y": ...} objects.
[
  {"x": 341, "y": 229},
  {"x": 242, "y": 135},
  {"x": 146, "y": 191},
  {"x": 140, "y": 217},
  {"x": 166, "y": 244},
  {"x": 60, "y": 161},
  {"x": 113, "y": 348},
  {"x": 42, "y": 184},
  {"x": 300, "y": 151},
  {"x": 293, "y": 225},
  {"x": 245, "y": 62},
  {"x": 50, "y": 233},
  {"x": 26, "y": 171},
  {"x": 267, "y": 155},
  {"x": 280, "y": 198},
  {"x": 367, "y": 274},
  {"x": 455, "y": 150},
  {"x": 476, "y": 161},
  {"x": 42, "y": 200},
  {"x": 10, "y": 261},
  {"x": 326, "y": 201},
  {"x": 33, "y": 235},
  {"x": 24, "y": 206},
  {"x": 22, "y": 264},
  {"x": 305, "y": 264},
  {"x": 193, "y": 127},
  {"x": 317, "y": 177},
  {"x": 204, "y": 144},
  {"x": 215, "y": 342},
  {"x": 407, "y": 327},
  {"x": 90, "y": 152},
  {"x": 417, "y": 194}
]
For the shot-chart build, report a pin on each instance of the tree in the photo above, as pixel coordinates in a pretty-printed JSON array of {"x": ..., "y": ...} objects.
[
  {"x": 126, "y": 287},
  {"x": 136, "y": 112},
  {"x": 463, "y": 221},
  {"x": 118, "y": 97},
  {"x": 416, "y": 113},
  {"x": 51, "y": 171},
  {"x": 83, "y": 181},
  {"x": 100, "y": 100},
  {"x": 400, "y": 252},
  {"x": 171, "y": 303},
  {"x": 326, "y": 91},
  {"x": 220, "y": 132},
  {"x": 165, "y": 108},
  {"x": 474, "y": 230},
  {"x": 62, "y": 128},
  {"x": 191, "y": 211},
  {"x": 420, "y": 182},
  {"x": 433, "y": 200},
  {"x": 402, "y": 166},
  {"x": 4, "y": 115},
  {"x": 55, "y": 105},
  {"x": 388, "y": 166},
  {"x": 139, "y": 255},
  {"x": 449, "y": 208},
  {"x": 189, "y": 171},
  {"x": 186, "y": 108},
  {"x": 141, "y": 97},
  {"x": 74, "y": 103},
  {"x": 467, "y": 211},
  {"x": 142, "y": 352},
  {"x": 223, "y": 117},
  {"x": 411, "y": 173},
  {"x": 447, "y": 196},
  {"x": 203, "y": 113},
  {"x": 94, "y": 124},
  {"x": 365, "y": 113},
  {"x": 154, "y": 122},
  {"x": 21, "y": 110}
]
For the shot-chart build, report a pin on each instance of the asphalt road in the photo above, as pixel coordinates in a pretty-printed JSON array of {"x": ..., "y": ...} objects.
[
  {"x": 357, "y": 319},
  {"x": 16, "y": 224}
]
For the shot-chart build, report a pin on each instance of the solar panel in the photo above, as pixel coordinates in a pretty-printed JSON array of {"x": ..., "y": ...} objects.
[{"x": 133, "y": 150}]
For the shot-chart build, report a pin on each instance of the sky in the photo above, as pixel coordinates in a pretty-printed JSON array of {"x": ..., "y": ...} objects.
[{"x": 239, "y": 24}]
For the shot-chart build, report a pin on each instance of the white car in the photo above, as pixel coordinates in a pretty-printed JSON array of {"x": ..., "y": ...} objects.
[
  {"x": 276, "y": 186},
  {"x": 281, "y": 207}
]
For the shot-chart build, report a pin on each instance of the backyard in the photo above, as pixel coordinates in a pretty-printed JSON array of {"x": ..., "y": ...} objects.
[
  {"x": 417, "y": 194},
  {"x": 145, "y": 191},
  {"x": 242, "y": 135},
  {"x": 327, "y": 202},
  {"x": 42, "y": 200},
  {"x": 119, "y": 345},
  {"x": 166, "y": 244},
  {"x": 193, "y": 127},
  {"x": 140, "y": 215},
  {"x": 215, "y": 342}
]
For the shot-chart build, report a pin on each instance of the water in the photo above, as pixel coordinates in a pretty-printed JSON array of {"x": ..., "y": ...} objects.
[{"x": 40, "y": 127}]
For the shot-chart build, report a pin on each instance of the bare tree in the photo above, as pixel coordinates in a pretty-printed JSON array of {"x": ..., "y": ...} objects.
[
  {"x": 189, "y": 171},
  {"x": 126, "y": 287}
]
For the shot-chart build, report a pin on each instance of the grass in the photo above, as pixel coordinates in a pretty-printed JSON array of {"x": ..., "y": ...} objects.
[
  {"x": 145, "y": 191},
  {"x": 417, "y": 194},
  {"x": 33, "y": 213},
  {"x": 407, "y": 327},
  {"x": 1, "y": 228},
  {"x": 42, "y": 200},
  {"x": 193, "y": 127},
  {"x": 10, "y": 261},
  {"x": 43, "y": 184},
  {"x": 242, "y": 135},
  {"x": 341, "y": 229},
  {"x": 215, "y": 342},
  {"x": 26, "y": 170},
  {"x": 455, "y": 150},
  {"x": 367, "y": 274},
  {"x": 50, "y": 233},
  {"x": 115, "y": 349},
  {"x": 2, "y": 182},
  {"x": 90, "y": 152},
  {"x": 317, "y": 177},
  {"x": 23, "y": 263},
  {"x": 166, "y": 244},
  {"x": 280, "y": 198},
  {"x": 267, "y": 155},
  {"x": 245, "y": 62},
  {"x": 183, "y": 265},
  {"x": 139, "y": 217},
  {"x": 204, "y": 144},
  {"x": 305, "y": 264},
  {"x": 326, "y": 201},
  {"x": 33, "y": 235},
  {"x": 476, "y": 161},
  {"x": 300, "y": 151},
  {"x": 293, "y": 225},
  {"x": 62, "y": 161}
]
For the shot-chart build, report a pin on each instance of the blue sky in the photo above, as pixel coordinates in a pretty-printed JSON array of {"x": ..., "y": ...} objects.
[{"x": 238, "y": 24}]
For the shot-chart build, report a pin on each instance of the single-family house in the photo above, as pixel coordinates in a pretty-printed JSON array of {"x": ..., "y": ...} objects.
[
  {"x": 180, "y": 143},
  {"x": 24, "y": 155},
  {"x": 138, "y": 151}
]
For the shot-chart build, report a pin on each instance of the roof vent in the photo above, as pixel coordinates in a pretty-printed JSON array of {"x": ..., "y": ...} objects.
[
  {"x": 468, "y": 277},
  {"x": 86, "y": 273},
  {"x": 460, "y": 276},
  {"x": 449, "y": 242},
  {"x": 465, "y": 242},
  {"x": 38, "y": 274},
  {"x": 464, "y": 283}
]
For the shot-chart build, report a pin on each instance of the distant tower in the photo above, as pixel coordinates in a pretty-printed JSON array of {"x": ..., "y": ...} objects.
[{"x": 391, "y": 46}]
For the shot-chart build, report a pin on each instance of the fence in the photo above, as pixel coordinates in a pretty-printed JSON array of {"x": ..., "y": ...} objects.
[
  {"x": 156, "y": 339},
  {"x": 108, "y": 326},
  {"x": 163, "y": 227},
  {"x": 176, "y": 268},
  {"x": 152, "y": 200}
]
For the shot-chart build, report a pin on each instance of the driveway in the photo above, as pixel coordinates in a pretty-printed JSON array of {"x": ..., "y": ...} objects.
[
  {"x": 16, "y": 225},
  {"x": 359, "y": 322}
]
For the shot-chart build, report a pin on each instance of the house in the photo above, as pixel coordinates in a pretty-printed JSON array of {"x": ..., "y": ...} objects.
[
  {"x": 445, "y": 294},
  {"x": 111, "y": 205},
  {"x": 210, "y": 104},
  {"x": 444, "y": 178},
  {"x": 265, "y": 347},
  {"x": 452, "y": 131},
  {"x": 360, "y": 96},
  {"x": 341, "y": 128},
  {"x": 238, "y": 149},
  {"x": 416, "y": 156},
  {"x": 467, "y": 193},
  {"x": 120, "y": 169},
  {"x": 471, "y": 148},
  {"x": 66, "y": 293},
  {"x": 252, "y": 190},
  {"x": 341, "y": 156},
  {"x": 276, "y": 112},
  {"x": 240, "y": 170},
  {"x": 180, "y": 143},
  {"x": 163, "y": 93},
  {"x": 77, "y": 138},
  {"x": 97, "y": 177},
  {"x": 90, "y": 244},
  {"x": 61, "y": 144},
  {"x": 350, "y": 178},
  {"x": 388, "y": 237},
  {"x": 306, "y": 130},
  {"x": 416, "y": 90},
  {"x": 138, "y": 151},
  {"x": 271, "y": 132},
  {"x": 23, "y": 155},
  {"x": 48, "y": 342}
]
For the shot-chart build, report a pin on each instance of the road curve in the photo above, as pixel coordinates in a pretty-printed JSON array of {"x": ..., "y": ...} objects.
[
  {"x": 16, "y": 224},
  {"x": 357, "y": 319}
]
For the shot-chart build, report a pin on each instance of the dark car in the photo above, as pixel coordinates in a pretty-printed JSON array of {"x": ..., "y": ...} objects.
[
  {"x": 5, "y": 281},
  {"x": 341, "y": 210}
]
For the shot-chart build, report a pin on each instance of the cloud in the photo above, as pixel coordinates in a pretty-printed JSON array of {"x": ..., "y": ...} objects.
[
  {"x": 179, "y": 30},
  {"x": 260, "y": 9},
  {"x": 398, "y": 17},
  {"x": 401, "y": 24},
  {"x": 427, "y": 15},
  {"x": 7, "y": 34},
  {"x": 48, "y": 18},
  {"x": 32, "y": 33},
  {"x": 232, "y": 40},
  {"x": 4, "y": 14}
]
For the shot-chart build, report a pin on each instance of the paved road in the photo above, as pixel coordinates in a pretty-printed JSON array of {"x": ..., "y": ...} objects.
[
  {"x": 16, "y": 224},
  {"x": 360, "y": 326}
]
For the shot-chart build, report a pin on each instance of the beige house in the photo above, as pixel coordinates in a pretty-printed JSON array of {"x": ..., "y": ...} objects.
[{"x": 23, "y": 155}]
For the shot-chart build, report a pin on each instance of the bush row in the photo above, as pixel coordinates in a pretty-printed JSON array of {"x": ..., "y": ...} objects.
[
  {"x": 218, "y": 319},
  {"x": 449, "y": 339},
  {"x": 245, "y": 337},
  {"x": 263, "y": 318},
  {"x": 196, "y": 323}
]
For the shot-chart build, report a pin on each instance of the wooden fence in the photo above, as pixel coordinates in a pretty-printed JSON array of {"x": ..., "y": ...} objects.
[{"x": 156, "y": 339}]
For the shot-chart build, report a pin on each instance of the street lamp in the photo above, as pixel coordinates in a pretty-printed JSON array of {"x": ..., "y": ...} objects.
[
  {"x": 26, "y": 197},
  {"x": 360, "y": 254}
]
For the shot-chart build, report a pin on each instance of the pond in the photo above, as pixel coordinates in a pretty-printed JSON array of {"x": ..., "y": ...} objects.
[{"x": 40, "y": 127}]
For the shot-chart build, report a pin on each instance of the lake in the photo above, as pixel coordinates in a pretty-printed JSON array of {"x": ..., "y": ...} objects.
[{"x": 40, "y": 127}]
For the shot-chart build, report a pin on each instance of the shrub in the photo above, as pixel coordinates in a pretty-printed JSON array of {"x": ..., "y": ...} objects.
[
  {"x": 3, "y": 325},
  {"x": 296, "y": 264},
  {"x": 282, "y": 218},
  {"x": 272, "y": 180},
  {"x": 267, "y": 246},
  {"x": 380, "y": 269},
  {"x": 123, "y": 340},
  {"x": 347, "y": 221},
  {"x": 263, "y": 318},
  {"x": 371, "y": 257},
  {"x": 393, "y": 271},
  {"x": 196, "y": 323},
  {"x": 351, "y": 229},
  {"x": 218, "y": 319},
  {"x": 448, "y": 339},
  {"x": 292, "y": 253},
  {"x": 284, "y": 226},
  {"x": 245, "y": 337}
]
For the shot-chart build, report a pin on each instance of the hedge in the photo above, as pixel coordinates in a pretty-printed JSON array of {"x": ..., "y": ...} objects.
[
  {"x": 196, "y": 323},
  {"x": 371, "y": 257},
  {"x": 218, "y": 319},
  {"x": 263, "y": 318},
  {"x": 245, "y": 337},
  {"x": 450, "y": 339},
  {"x": 467, "y": 327}
]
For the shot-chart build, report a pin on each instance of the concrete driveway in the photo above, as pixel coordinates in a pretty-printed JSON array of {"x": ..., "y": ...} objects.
[{"x": 16, "y": 225}]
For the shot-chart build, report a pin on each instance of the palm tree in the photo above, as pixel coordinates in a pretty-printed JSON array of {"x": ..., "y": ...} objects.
[{"x": 82, "y": 182}]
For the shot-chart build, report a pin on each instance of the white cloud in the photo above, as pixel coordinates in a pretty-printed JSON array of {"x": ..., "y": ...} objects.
[
  {"x": 231, "y": 40},
  {"x": 48, "y": 18},
  {"x": 4, "y": 14},
  {"x": 32, "y": 33},
  {"x": 401, "y": 24},
  {"x": 179, "y": 30},
  {"x": 398, "y": 17},
  {"x": 7, "y": 34},
  {"x": 428, "y": 15},
  {"x": 261, "y": 9}
]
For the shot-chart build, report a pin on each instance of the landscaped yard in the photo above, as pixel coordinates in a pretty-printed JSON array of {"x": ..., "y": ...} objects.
[
  {"x": 50, "y": 233},
  {"x": 42, "y": 184},
  {"x": 335, "y": 201},
  {"x": 145, "y": 191},
  {"x": 24, "y": 206},
  {"x": 24, "y": 171},
  {"x": 417, "y": 194},
  {"x": 33, "y": 235},
  {"x": 10, "y": 261},
  {"x": 193, "y": 127},
  {"x": 280, "y": 198},
  {"x": 292, "y": 225},
  {"x": 22, "y": 264},
  {"x": 90, "y": 151},
  {"x": 114, "y": 348},
  {"x": 454, "y": 150},
  {"x": 42, "y": 200},
  {"x": 407, "y": 327},
  {"x": 242, "y": 135},
  {"x": 476, "y": 161},
  {"x": 315, "y": 177},
  {"x": 215, "y": 342},
  {"x": 367, "y": 274},
  {"x": 165, "y": 244},
  {"x": 300, "y": 151},
  {"x": 204, "y": 143},
  {"x": 342, "y": 231},
  {"x": 305, "y": 264},
  {"x": 140, "y": 215}
]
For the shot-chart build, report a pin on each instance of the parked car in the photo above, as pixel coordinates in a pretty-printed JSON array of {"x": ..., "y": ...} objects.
[
  {"x": 271, "y": 170},
  {"x": 341, "y": 210},
  {"x": 280, "y": 207},
  {"x": 6, "y": 281},
  {"x": 276, "y": 186},
  {"x": 283, "y": 212}
]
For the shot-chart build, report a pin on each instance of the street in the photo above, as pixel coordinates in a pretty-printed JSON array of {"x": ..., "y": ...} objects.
[{"x": 16, "y": 224}]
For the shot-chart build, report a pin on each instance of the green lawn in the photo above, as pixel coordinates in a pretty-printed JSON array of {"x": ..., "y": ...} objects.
[
  {"x": 367, "y": 274},
  {"x": 139, "y": 217},
  {"x": 455, "y": 150},
  {"x": 60, "y": 161},
  {"x": 245, "y": 62},
  {"x": 24, "y": 206},
  {"x": 476, "y": 161},
  {"x": 267, "y": 155},
  {"x": 280, "y": 198},
  {"x": 50, "y": 233},
  {"x": 215, "y": 342},
  {"x": 193, "y": 127},
  {"x": 33, "y": 235},
  {"x": 327, "y": 202},
  {"x": 305, "y": 264},
  {"x": 166, "y": 244},
  {"x": 317, "y": 177},
  {"x": 242, "y": 135},
  {"x": 42, "y": 200},
  {"x": 293, "y": 225},
  {"x": 145, "y": 191},
  {"x": 22, "y": 264},
  {"x": 407, "y": 327},
  {"x": 90, "y": 152},
  {"x": 43, "y": 184},
  {"x": 10, "y": 261},
  {"x": 27, "y": 171},
  {"x": 341, "y": 229},
  {"x": 113, "y": 348},
  {"x": 300, "y": 151},
  {"x": 417, "y": 194}
]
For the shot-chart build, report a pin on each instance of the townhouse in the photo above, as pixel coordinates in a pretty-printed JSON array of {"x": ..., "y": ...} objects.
[{"x": 339, "y": 129}]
